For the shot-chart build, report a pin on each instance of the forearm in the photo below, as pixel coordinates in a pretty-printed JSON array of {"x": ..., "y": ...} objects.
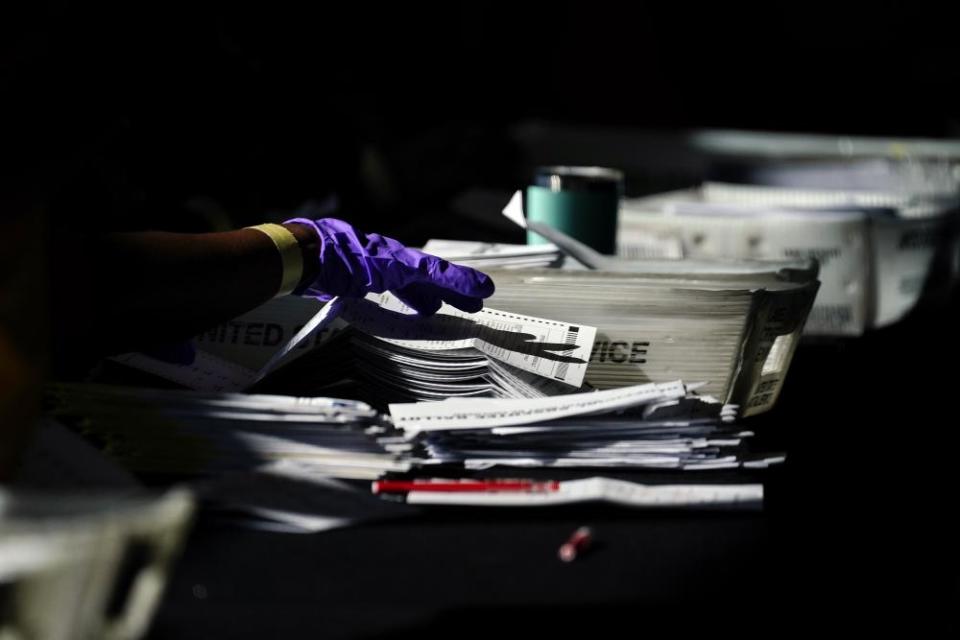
[{"x": 134, "y": 290}]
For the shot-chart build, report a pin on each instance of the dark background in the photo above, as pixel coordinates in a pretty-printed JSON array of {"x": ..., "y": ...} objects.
[{"x": 214, "y": 116}]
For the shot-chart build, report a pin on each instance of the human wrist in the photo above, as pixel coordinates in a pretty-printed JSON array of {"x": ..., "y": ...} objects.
[
  {"x": 310, "y": 244},
  {"x": 290, "y": 250}
]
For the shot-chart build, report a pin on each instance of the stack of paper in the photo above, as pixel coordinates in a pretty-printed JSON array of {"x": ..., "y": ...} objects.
[
  {"x": 735, "y": 329},
  {"x": 645, "y": 426},
  {"x": 876, "y": 248},
  {"x": 394, "y": 354},
  {"x": 492, "y": 352},
  {"x": 528, "y": 368},
  {"x": 169, "y": 432},
  {"x": 386, "y": 352}
]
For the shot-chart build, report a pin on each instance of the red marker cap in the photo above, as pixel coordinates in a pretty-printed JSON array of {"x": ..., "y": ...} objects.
[{"x": 576, "y": 544}]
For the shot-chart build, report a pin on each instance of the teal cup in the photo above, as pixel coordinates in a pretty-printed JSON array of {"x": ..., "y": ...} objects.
[{"x": 582, "y": 202}]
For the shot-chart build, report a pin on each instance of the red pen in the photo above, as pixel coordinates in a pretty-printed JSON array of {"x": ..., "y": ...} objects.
[{"x": 464, "y": 486}]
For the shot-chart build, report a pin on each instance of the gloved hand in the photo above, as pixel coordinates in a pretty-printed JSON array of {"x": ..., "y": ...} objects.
[{"x": 353, "y": 264}]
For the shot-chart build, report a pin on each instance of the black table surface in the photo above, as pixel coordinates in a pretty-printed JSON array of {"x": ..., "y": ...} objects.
[{"x": 858, "y": 534}]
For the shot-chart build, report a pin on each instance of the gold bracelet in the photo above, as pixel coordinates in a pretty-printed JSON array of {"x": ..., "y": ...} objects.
[{"x": 291, "y": 256}]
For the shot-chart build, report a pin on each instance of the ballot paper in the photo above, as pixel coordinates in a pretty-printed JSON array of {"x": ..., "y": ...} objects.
[
  {"x": 610, "y": 490},
  {"x": 548, "y": 348},
  {"x": 877, "y": 249},
  {"x": 477, "y": 413},
  {"x": 391, "y": 354},
  {"x": 389, "y": 372}
]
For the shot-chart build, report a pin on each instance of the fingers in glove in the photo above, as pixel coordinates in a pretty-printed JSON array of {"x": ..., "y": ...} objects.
[
  {"x": 457, "y": 278},
  {"x": 421, "y": 298},
  {"x": 429, "y": 293}
]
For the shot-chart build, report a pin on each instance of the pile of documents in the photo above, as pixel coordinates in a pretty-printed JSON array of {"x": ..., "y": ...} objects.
[
  {"x": 576, "y": 367},
  {"x": 451, "y": 354},
  {"x": 882, "y": 232},
  {"x": 177, "y": 433},
  {"x": 291, "y": 464},
  {"x": 466, "y": 392},
  {"x": 186, "y": 433},
  {"x": 659, "y": 426},
  {"x": 492, "y": 388}
]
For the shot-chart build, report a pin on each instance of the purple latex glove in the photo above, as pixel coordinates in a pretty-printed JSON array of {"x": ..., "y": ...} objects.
[{"x": 353, "y": 264}]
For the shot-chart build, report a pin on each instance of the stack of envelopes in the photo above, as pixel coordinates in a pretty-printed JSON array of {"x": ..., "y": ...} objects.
[
  {"x": 662, "y": 426},
  {"x": 733, "y": 326}
]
